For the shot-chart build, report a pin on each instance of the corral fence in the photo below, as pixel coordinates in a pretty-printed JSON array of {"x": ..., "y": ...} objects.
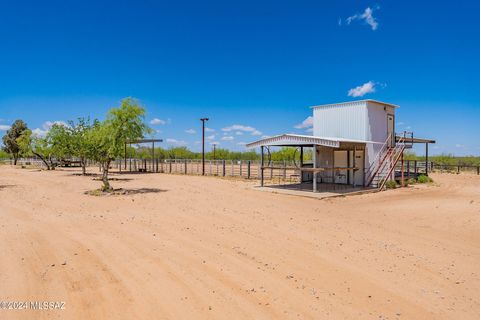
[
  {"x": 417, "y": 167},
  {"x": 283, "y": 171}
]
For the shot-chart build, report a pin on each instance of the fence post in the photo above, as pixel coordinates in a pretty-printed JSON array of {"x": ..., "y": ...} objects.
[
  {"x": 415, "y": 169},
  {"x": 458, "y": 169},
  {"x": 478, "y": 170},
  {"x": 431, "y": 166},
  {"x": 231, "y": 171},
  {"x": 185, "y": 166},
  {"x": 240, "y": 168},
  {"x": 284, "y": 170},
  {"x": 223, "y": 168},
  {"x": 170, "y": 165},
  {"x": 248, "y": 169}
]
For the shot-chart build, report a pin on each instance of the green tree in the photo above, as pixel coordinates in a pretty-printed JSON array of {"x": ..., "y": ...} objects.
[
  {"x": 59, "y": 141},
  {"x": 31, "y": 144},
  {"x": 78, "y": 142},
  {"x": 10, "y": 139},
  {"x": 108, "y": 138}
]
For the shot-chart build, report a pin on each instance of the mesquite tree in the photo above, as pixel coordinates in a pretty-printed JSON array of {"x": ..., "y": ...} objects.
[
  {"x": 79, "y": 140},
  {"x": 10, "y": 139},
  {"x": 108, "y": 138},
  {"x": 31, "y": 144}
]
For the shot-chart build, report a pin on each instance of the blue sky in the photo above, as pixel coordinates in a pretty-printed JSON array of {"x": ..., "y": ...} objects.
[{"x": 252, "y": 67}]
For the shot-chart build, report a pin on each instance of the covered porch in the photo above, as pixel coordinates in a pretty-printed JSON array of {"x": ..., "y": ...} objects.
[{"x": 334, "y": 165}]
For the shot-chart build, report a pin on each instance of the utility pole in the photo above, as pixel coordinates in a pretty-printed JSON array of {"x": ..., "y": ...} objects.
[
  {"x": 214, "y": 145},
  {"x": 203, "y": 144}
]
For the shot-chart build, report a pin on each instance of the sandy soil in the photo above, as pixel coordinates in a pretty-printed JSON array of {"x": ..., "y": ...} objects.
[{"x": 188, "y": 247}]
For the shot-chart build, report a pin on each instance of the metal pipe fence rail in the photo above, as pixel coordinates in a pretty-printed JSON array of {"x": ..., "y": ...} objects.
[
  {"x": 37, "y": 162},
  {"x": 285, "y": 171},
  {"x": 413, "y": 168},
  {"x": 282, "y": 171}
]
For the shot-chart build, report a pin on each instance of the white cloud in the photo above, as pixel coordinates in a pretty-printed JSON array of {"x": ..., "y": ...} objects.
[
  {"x": 214, "y": 143},
  {"x": 256, "y": 133},
  {"x": 239, "y": 133},
  {"x": 210, "y": 137},
  {"x": 239, "y": 127},
  {"x": 46, "y": 126},
  {"x": 209, "y": 130},
  {"x": 265, "y": 137},
  {"x": 158, "y": 121},
  {"x": 228, "y": 138},
  {"x": 367, "y": 16},
  {"x": 39, "y": 132},
  {"x": 362, "y": 90},
  {"x": 309, "y": 130},
  {"x": 460, "y": 145},
  {"x": 4, "y": 127},
  {"x": 307, "y": 123},
  {"x": 190, "y": 131},
  {"x": 241, "y": 143},
  {"x": 176, "y": 142}
]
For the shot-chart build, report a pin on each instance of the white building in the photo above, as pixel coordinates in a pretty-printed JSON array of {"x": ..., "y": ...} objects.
[{"x": 354, "y": 142}]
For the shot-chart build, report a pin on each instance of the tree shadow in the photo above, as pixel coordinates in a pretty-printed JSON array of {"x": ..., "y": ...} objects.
[
  {"x": 142, "y": 190},
  {"x": 121, "y": 191},
  {"x": 5, "y": 186},
  {"x": 113, "y": 179},
  {"x": 86, "y": 174}
]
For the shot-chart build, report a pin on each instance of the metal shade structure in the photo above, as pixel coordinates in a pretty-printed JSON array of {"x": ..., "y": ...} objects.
[
  {"x": 139, "y": 141},
  {"x": 292, "y": 140},
  {"x": 305, "y": 141}
]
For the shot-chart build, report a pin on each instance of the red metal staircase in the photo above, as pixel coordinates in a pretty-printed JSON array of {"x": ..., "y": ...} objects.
[{"x": 383, "y": 167}]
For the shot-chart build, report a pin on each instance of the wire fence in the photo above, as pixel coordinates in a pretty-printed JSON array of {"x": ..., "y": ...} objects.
[
  {"x": 282, "y": 172},
  {"x": 247, "y": 169}
]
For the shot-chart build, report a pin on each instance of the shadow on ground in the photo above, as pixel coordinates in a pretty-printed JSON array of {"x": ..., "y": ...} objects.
[
  {"x": 142, "y": 190},
  {"x": 7, "y": 186},
  {"x": 114, "y": 179},
  {"x": 121, "y": 191}
]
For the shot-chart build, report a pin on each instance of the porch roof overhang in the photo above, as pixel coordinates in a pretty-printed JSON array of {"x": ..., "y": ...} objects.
[
  {"x": 295, "y": 140},
  {"x": 414, "y": 140}
]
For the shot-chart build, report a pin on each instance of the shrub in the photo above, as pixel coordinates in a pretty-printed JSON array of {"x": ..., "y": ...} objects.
[
  {"x": 411, "y": 181},
  {"x": 424, "y": 179},
  {"x": 391, "y": 184}
]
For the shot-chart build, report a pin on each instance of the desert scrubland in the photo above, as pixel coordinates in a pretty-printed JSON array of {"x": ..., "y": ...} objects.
[{"x": 190, "y": 247}]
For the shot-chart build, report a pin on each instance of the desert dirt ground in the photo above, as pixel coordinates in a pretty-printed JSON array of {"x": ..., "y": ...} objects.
[{"x": 189, "y": 247}]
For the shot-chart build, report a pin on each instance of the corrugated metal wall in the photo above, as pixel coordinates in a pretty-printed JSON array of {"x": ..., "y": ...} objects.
[
  {"x": 357, "y": 120},
  {"x": 341, "y": 121}
]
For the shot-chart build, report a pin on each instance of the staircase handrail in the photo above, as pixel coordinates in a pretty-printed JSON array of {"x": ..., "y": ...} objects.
[
  {"x": 400, "y": 146},
  {"x": 368, "y": 172}
]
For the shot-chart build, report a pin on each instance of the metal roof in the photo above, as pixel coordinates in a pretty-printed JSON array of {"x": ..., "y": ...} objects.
[
  {"x": 414, "y": 140},
  {"x": 347, "y": 103},
  {"x": 288, "y": 139}
]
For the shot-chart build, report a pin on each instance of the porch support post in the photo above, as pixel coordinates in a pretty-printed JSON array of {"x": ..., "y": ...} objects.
[
  {"x": 403, "y": 172},
  {"x": 301, "y": 164},
  {"x": 426, "y": 159},
  {"x": 261, "y": 166},
  {"x": 354, "y": 165},
  {"x": 314, "y": 158}
]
